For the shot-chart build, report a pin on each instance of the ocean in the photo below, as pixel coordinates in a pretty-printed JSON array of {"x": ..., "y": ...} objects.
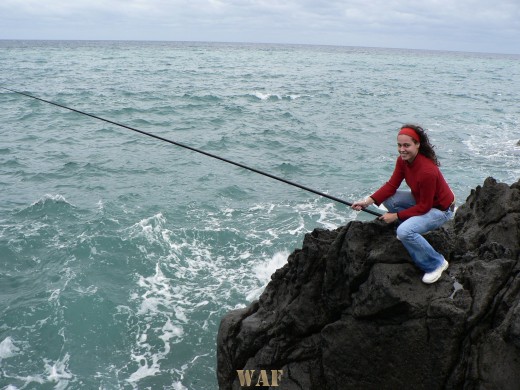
[{"x": 120, "y": 253}]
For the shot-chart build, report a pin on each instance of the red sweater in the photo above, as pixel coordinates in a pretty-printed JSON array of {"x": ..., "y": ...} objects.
[{"x": 428, "y": 186}]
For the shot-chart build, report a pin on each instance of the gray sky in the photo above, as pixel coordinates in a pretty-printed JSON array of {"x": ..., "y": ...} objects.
[{"x": 463, "y": 25}]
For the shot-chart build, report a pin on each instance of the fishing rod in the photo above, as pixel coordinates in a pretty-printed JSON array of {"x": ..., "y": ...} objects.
[{"x": 195, "y": 150}]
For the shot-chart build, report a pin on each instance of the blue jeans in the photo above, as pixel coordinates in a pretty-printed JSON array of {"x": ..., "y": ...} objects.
[{"x": 410, "y": 231}]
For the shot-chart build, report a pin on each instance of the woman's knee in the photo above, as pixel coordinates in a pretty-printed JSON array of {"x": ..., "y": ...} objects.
[{"x": 404, "y": 231}]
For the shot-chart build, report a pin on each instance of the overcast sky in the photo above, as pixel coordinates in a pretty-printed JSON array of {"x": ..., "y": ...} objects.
[{"x": 462, "y": 25}]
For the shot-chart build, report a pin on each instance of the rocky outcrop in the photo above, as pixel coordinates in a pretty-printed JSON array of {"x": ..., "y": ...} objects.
[{"x": 349, "y": 310}]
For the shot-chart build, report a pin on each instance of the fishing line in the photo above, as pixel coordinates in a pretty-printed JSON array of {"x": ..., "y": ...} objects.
[{"x": 196, "y": 150}]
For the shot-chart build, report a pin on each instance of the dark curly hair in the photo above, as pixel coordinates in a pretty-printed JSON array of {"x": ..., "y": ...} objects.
[{"x": 426, "y": 148}]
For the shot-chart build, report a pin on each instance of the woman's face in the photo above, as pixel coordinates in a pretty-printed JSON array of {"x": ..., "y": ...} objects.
[{"x": 407, "y": 147}]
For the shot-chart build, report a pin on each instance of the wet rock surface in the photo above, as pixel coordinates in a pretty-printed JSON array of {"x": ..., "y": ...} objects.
[{"x": 349, "y": 310}]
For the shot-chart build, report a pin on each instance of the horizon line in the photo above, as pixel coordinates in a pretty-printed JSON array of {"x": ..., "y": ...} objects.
[{"x": 257, "y": 43}]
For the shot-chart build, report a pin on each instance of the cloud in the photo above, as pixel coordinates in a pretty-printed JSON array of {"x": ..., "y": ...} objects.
[{"x": 436, "y": 23}]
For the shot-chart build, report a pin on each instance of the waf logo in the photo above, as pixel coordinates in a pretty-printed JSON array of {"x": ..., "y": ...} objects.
[{"x": 263, "y": 378}]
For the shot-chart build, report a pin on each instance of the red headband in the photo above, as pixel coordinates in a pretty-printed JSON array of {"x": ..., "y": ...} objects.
[{"x": 410, "y": 132}]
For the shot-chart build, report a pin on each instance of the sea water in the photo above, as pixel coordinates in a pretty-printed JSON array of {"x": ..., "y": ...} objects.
[{"x": 120, "y": 254}]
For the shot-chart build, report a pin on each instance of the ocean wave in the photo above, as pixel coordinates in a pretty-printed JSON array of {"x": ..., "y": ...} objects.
[
  {"x": 275, "y": 96},
  {"x": 14, "y": 163},
  {"x": 56, "y": 373},
  {"x": 191, "y": 281},
  {"x": 179, "y": 281},
  {"x": 49, "y": 204},
  {"x": 263, "y": 272},
  {"x": 219, "y": 145},
  {"x": 234, "y": 192},
  {"x": 152, "y": 229},
  {"x": 288, "y": 168},
  {"x": 486, "y": 146},
  {"x": 202, "y": 98}
]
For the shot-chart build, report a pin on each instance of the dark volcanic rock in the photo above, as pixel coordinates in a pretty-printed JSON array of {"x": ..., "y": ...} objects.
[{"x": 349, "y": 310}]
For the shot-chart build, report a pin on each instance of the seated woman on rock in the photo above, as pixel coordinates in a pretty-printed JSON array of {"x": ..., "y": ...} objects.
[{"x": 428, "y": 206}]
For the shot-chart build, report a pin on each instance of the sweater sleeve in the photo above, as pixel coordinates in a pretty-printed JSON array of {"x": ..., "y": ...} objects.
[
  {"x": 391, "y": 186},
  {"x": 426, "y": 189}
]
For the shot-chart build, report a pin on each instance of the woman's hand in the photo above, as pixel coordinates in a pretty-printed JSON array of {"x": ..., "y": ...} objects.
[
  {"x": 362, "y": 204},
  {"x": 389, "y": 217}
]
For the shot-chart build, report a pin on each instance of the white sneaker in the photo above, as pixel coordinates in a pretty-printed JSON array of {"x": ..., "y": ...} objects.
[{"x": 432, "y": 277}]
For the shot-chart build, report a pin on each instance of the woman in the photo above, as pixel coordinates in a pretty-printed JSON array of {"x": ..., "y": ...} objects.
[{"x": 428, "y": 206}]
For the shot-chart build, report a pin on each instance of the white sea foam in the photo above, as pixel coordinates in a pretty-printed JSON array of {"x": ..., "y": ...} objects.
[
  {"x": 146, "y": 368},
  {"x": 267, "y": 207},
  {"x": 151, "y": 228},
  {"x": 263, "y": 272},
  {"x": 330, "y": 218},
  {"x": 8, "y": 349},
  {"x": 90, "y": 290},
  {"x": 485, "y": 145},
  {"x": 55, "y": 294},
  {"x": 27, "y": 380},
  {"x": 189, "y": 279},
  {"x": 245, "y": 255},
  {"x": 179, "y": 386},
  {"x": 299, "y": 229},
  {"x": 499, "y": 156},
  {"x": 50, "y": 197},
  {"x": 58, "y": 372},
  {"x": 157, "y": 303},
  {"x": 158, "y": 294},
  {"x": 327, "y": 215},
  {"x": 170, "y": 331},
  {"x": 267, "y": 96}
]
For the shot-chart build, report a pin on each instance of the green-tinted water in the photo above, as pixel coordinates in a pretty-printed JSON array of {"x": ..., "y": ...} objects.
[{"x": 119, "y": 254}]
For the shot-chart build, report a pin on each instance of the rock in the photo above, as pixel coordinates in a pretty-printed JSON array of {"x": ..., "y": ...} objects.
[{"x": 349, "y": 310}]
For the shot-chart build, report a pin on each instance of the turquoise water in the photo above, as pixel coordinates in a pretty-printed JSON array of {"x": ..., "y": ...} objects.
[{"x": 119, "y": 254}]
